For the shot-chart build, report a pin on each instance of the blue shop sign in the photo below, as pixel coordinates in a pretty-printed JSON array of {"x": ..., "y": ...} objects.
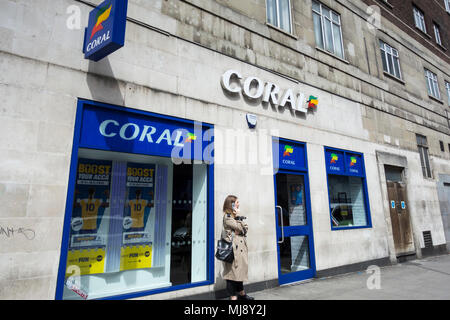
[
  {"x": 354, "y": 164},
  {"x": 115, "y": 130},
  {"x": 335, "y": 161},
  {"x": 344, "y": 162},
  {"x": 289, "y": 155},
  {"x": 106, "y": 29}
]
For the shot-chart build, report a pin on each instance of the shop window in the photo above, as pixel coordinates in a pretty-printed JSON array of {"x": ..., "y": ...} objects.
[
  {"x": 279, "y": 14},
  {"x": 138, "y": 222},
  {"x": 327, "y": 29},
  {"x": 347, "y": 189}
]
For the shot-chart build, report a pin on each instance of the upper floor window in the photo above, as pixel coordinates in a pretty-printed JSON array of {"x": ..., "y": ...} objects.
[
  {"x": 327, "y": 29},
  {"x": 422, "y": 145},
  {"x": 437, "y": 34},
  {"x": 447, "y": 86},
  {"x": 390, "y": 59},
  {"x": 419, "y": 19},
  {"x": 432, "y": 84},
  {"x": 447, "y": 5},
  {"x": 279, "y": 14}
]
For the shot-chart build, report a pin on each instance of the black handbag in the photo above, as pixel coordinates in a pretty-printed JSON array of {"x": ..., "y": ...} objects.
[{"x": 225, "y": 251}]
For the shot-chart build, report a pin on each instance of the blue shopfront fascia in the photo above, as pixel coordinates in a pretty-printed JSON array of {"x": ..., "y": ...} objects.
[
  {"x": 299, "y": 168},
  {"x": 80, "y": 142},
  {"x": 360, "y": 171}
]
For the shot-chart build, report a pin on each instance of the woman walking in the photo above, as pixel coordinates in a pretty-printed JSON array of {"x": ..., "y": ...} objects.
[{"x": 235, "y": 231}]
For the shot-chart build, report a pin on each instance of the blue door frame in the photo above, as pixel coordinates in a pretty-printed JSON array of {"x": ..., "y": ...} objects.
[{"x": 288, "y": 231}]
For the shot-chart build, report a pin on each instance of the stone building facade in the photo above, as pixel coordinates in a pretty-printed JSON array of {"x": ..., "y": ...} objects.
[{"x": 385, "y": 111}]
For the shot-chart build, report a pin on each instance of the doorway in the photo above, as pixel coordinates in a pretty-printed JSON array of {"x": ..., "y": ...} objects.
[{"x": 399, "y": 211}]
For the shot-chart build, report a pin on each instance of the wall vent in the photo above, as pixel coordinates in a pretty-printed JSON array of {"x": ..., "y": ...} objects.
[{"x": 427, "y": 239}]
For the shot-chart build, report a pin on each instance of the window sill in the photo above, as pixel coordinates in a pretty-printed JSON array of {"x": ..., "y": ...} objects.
[
  {"x": 387, "y": 4},
  {"x": 441, "y": 46},
  {"x": 436, "y": 99},
  {"x": 350, "y": 228},
  {"x": 423, "y": 32},
  {"x": 332, "y": 55},
  {"x": 282, "y": 31},
  {"x": 386, "y": 74}
]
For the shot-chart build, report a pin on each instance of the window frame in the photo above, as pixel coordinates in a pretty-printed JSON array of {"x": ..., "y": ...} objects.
[
  {"x": 422, "y": 146},
  {"x": 332, "y": 23},
  {"x": 363, "y": 177},
  {"x": 419, "y": 19},
  {"x": 437, "y": 34},
  {"x": 447, "y": 5},
  {"x": 432, "y": 84},
  {"x": 447, "y": 87},
  {"x": 278, "y": 25},
  {"x": 390, "y": 53},
  {"x": 60, "y": 279}
]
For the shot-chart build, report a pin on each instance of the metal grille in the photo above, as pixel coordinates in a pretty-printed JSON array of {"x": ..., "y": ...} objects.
[{"x": 427, "y": 239}]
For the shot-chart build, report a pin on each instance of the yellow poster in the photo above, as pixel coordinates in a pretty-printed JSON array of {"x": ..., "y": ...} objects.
[
  {"x": 85, "y": 261},
  {"x": 136, "y": 257}
]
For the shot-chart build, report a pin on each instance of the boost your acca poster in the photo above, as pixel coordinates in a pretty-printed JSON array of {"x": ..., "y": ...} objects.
[{"x": 138, "y": 222}]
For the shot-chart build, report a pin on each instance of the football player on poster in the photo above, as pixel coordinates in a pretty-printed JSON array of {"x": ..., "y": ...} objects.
[{"x": 137, "y": 210}]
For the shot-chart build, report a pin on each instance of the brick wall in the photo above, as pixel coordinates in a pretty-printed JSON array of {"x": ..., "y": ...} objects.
[{"x": 434, "y": 11}]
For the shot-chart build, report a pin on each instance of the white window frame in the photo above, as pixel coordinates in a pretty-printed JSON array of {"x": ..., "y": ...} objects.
[
  {"x": 419, "y": 19},
  {"x": 333, "y": 22},
  {"x": 447, "y": 86},
  {"x": 447, "y": 5},
  {"x": 432, "y": 84},
  {"x": 278, "y": 24},
  {"x": 437, "y": 34},
  {"x": 389, "y": 53}
]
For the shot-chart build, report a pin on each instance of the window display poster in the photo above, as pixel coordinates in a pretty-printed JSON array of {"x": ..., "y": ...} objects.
[
  {"x": 138, "y": 223},
  {"x": 89, "y": 225},
  {"x": 297, "y": 213}
]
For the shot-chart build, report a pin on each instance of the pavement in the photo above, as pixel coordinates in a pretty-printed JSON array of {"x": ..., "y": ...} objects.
[{"x": 421, "y": 279}]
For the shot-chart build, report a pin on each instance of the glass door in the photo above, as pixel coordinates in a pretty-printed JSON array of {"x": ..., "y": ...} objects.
[{"x": 294, "y": 227}]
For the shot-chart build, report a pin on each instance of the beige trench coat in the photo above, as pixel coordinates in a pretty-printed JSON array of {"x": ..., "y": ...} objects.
[{"x": 238, "y": 269}]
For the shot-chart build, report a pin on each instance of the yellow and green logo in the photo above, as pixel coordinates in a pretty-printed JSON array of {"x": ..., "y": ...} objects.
[
  {"x": 352, "y": 161},
  {"x": 102, "y": 16},
  {"x": 313, "y": 102},
  {"x": 334, "y": 158},
  {"x": 190, "y": 137},
  {"x": 288, "y": 150}
]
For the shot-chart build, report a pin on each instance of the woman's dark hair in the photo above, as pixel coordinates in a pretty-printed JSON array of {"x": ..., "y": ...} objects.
[{"x": 227, "y": 205}]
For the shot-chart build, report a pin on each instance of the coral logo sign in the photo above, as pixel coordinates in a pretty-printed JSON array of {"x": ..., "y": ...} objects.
[
  {"x": 313, "y": 102},
  {"x": 190, "y": 137},
  {"x": 334, "y": 158},
  {"x": 103, "y": 15},
  {"x": 288, "y": 150},
  {"x": 106, "y": 29}
]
